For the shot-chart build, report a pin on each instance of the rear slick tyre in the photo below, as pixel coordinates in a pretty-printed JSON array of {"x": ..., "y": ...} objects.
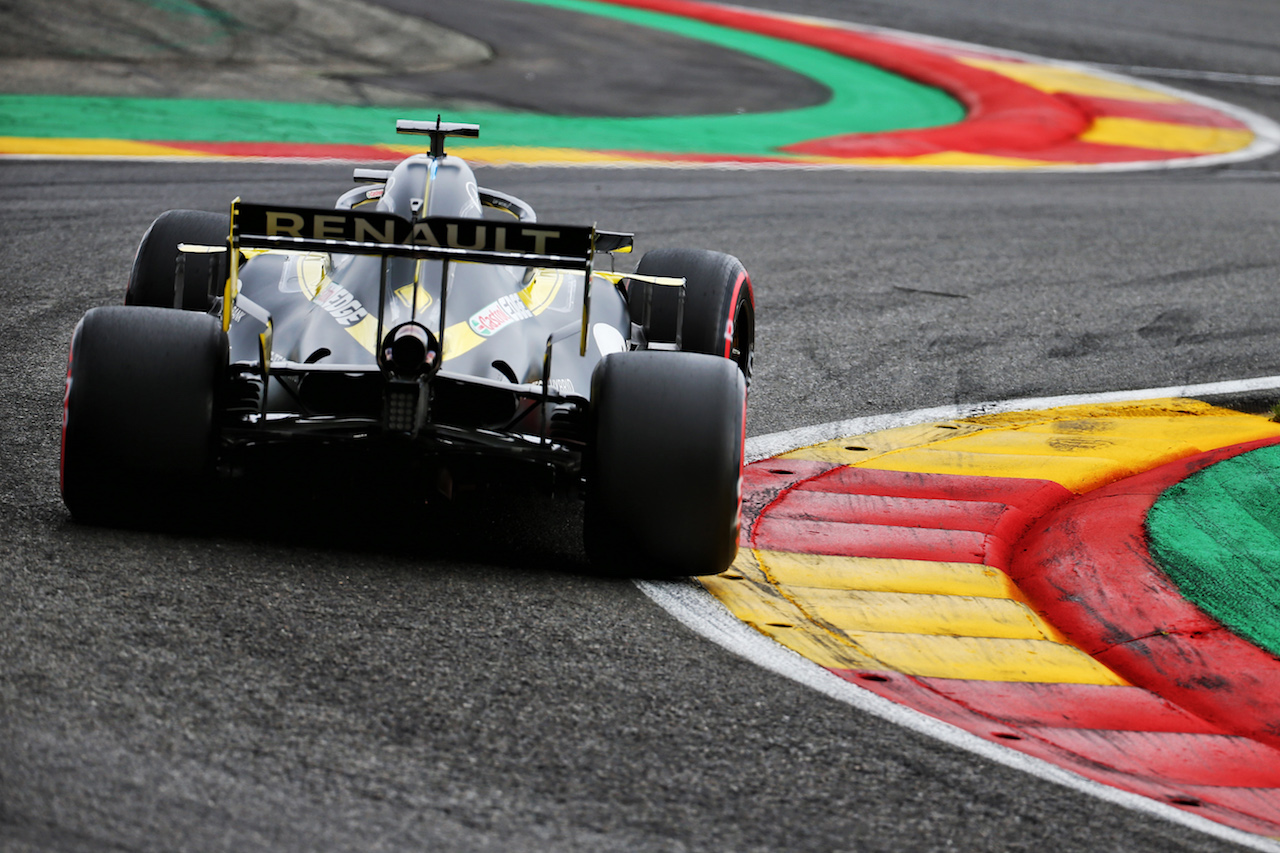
[
  {"x": 719, "y": 306},
  {"x": 139, "y": 414},
  {"x": 664, "y": 479},
  {"x": 152, "y": 281}
]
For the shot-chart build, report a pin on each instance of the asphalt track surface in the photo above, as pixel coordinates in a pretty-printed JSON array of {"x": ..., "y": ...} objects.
[
  {"x": 329, "y": 676},
  {"x": 674, "y": 81}
]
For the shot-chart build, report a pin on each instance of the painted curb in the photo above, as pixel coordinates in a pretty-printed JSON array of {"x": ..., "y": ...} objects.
[
  {"x": 891, "y": 559},
  {"x": 1023, "y": 113},
  {"x": 1088, "y": 567}
]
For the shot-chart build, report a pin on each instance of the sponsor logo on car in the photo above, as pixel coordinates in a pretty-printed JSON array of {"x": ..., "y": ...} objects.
[
  {"x": 564, "y": 386},
  {"x": 438, "y": 232},
  {"x": 341, "y": 305},
  {"x": 497, "y": 315}
]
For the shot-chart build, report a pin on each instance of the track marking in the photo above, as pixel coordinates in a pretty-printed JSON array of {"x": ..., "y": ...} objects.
[
  {"x": 704, "y": 614},
  {"x": 1022, "y": 113}
]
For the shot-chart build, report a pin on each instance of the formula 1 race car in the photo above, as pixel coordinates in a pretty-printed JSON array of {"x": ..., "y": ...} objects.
[{"x": 441, "y": 326}]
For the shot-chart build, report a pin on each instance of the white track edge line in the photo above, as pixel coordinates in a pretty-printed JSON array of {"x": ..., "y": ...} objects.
[{"x": 695, "y": 608}]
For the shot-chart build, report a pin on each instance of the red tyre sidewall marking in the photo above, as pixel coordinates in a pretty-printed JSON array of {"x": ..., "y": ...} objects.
[{"x": 733, "y": 301}]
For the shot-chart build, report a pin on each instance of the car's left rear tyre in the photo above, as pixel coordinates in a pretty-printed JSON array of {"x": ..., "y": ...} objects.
[
  {"x": 138, "y": 426},
  {"x": 664, "y": 473}
]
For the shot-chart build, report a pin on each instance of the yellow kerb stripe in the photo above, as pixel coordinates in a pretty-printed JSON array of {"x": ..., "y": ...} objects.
[
  {"x": 1051, "y": 78},
  {"x": 90, "y": 148},
  {"x": 1164, "y": 136},
  {"x": 820, "y": 571},
  {"x": 782, "y": 613},
  {"x": 749, "y": 595},
  {"x": 985, "y": 659},
  {"x": 1078, "y": 451},
  {"x": 862, "y": 448},
  {"x": 855, "y": 612},
  {"x": 946, "y": 160}
]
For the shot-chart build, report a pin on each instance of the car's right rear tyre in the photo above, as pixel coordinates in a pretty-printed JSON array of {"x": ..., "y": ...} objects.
[
  {"x": 138, "y": 426},
  {"x": 719, "y": 306},
  {"x": 152, "y": 281},
  {"x": 664, "y": 471}
]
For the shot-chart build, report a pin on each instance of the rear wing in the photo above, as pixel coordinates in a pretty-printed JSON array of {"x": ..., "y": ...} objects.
[{"x": 370, "y": 232}]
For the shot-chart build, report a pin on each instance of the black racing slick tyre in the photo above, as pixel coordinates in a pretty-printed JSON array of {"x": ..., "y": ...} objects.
[
  {"x": 664, "y": 473},
  {"x": 138, "y": 423},
  {"x": 152, "y": 281},
  {"x": 719, "y": 307}
]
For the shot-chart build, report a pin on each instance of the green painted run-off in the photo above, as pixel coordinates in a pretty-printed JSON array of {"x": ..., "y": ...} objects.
[
  {"x": 1217, "y": 535},
  {"x": 864, "y": 99}
]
